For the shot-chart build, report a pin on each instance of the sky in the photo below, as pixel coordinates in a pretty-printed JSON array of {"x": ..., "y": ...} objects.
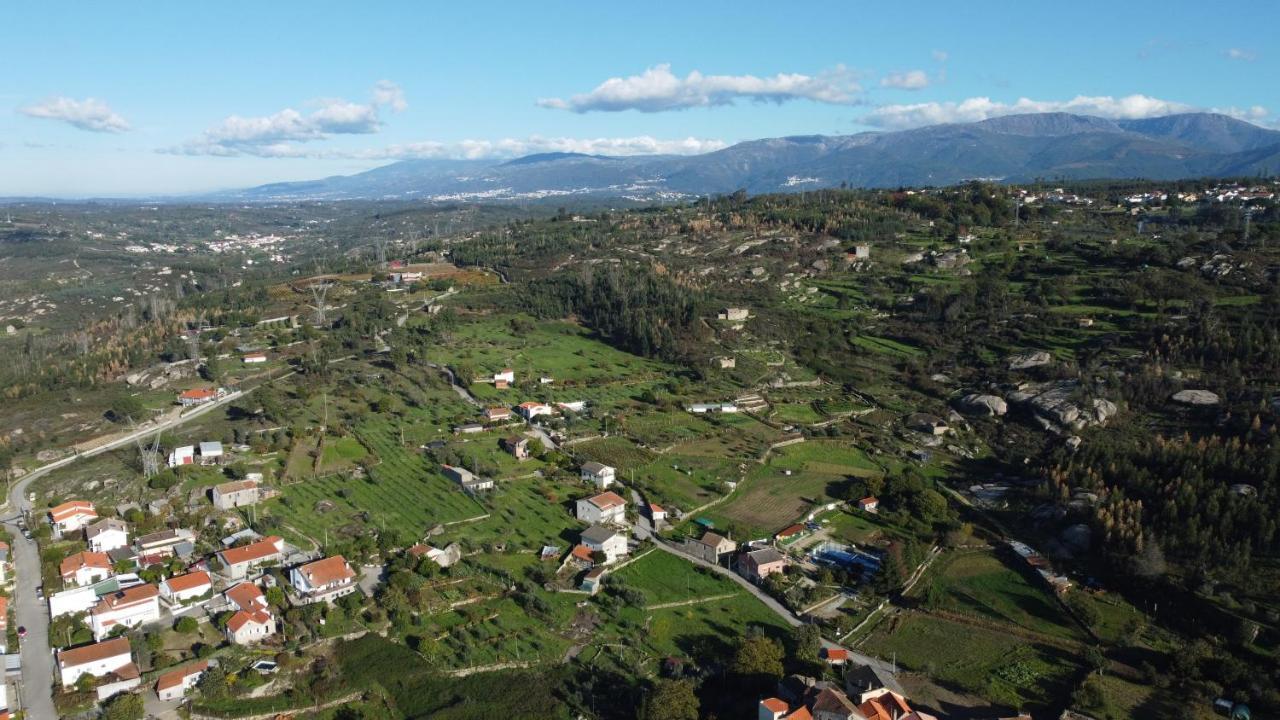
[{"x": 141, "y": 98}]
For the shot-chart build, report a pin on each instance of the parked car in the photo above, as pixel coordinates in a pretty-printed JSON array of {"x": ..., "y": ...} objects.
[{"x": 39, "y": 592}]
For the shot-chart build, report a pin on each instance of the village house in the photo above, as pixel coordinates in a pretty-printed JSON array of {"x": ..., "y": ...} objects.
[
  {"x": 231, "y": 495},
  {"x": 734, "y": 314},
  {"x": 443, "y": 558},
  {"x": 497, "y": 414},
  {"x": 606, "y": 508},
  {"x": 165, "y": 544},
  {"x": 657, "y": 515},
  {"x": 107, "y": 534},
  {"x": 598, "y": 474},
  {"x": 760, "y": 564},
  {"x": 238, "y": 562},
  {"x": 861, "y": 252},
  {"x": 98, "y": 660},
  {"x": 593, "y": 580},
  {"x": 790, "y": 532},
  {"x": 211, "y": 453},
  {"x": 869, "y": 504},
  {"x": 575, "y": 406},
  {"x": 507, "y": 375},
  {"x": 72, "y": 515},
  {"x": 175, "y": 684},
  {"x": 726, "y": 363},
  {"x": 130, "y": 608},
  {"x": 182, "y": 589},
  {"x": 710, "y": 547},
  {"x": 84, "y": 568},
  {"x": 184, "y": 455},
  {"x": 468, "y": 429},
  {"x": 600, "y": 539},
  {"x": 531, "y": 410},
  {"x": 467, "y": 480},
  {"x": 199, "y": 396},
  {"x": 928, "y": 424},
  {"x": 518, "y": 447},
  {"x": 835, "y": 656},
  {"x": 324, "y": 580},
  {"x": 252, "y": 620}
]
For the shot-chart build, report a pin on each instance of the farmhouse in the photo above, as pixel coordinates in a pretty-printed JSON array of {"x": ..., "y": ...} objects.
[
  {"x": 181, "y": 589},
  {"x": 507, "y": 375},
  {"x": 184, "y": 455},
  {"x": 790, "y": 532},
  {"x": 323, "y": 580},
  {"x": 531, "y": 410},
  {"x": 607, "y": 507},
  {"x": 210, "y": 453},
  {"x": 72, "y": 515},
  {"x": 599, "y": 474},
  {"x": 760, "y": 564},
  {"x": 85, "y": 568},
  {"x": 245, "y": 628},
  {"x": 600, "y": 539},
  {"x": 710, "y": 547},
  {"x": 128, "y": 608},
  {"x": 467, "y": 480},
  {"x": 199, "y": 396},
  {"x": 107, "y": 534},
  {"x": 928, "y": 424},
  {"x": 238, "y": 562},
  {"x": 869, "y": 504},
  {"x": 657, "y": 515},
  {"x": 517, "y": 446},
  {"x": 98, "y": 660},
  {"x": 497, "y": 414},
  {"x": 231, "y": 495},
  {"x": 468, "y": 429},
  {"x": 175, "y": 684}
]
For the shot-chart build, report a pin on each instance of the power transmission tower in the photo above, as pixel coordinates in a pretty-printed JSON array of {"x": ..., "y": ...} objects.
[{"x": 318, "y": 293}]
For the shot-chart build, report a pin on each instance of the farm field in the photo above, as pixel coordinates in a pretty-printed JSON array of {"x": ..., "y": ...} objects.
[
  {"x": 525, "y": 515},
  {"x": 684, "y": 481},
  {"x": 979, "y": 583},
  {"x": 665, "y": 578},
  {"x": 402, "y": 492}
]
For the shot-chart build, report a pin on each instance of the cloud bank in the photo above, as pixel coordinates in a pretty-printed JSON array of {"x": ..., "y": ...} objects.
[
  {"x": 658, "y": 90},
  {"x": 278, "y": 134},
  {"x": 88, "y": 114},
  {"x": 908, "y": 80},
  {"x": 897, "y": 117}
]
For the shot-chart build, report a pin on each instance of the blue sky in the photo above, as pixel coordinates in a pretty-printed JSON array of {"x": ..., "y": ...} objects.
[{"x": 140, "y": 98}]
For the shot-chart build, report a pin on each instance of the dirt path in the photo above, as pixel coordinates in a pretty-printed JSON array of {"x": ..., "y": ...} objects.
[{"x": 695, "y": 601}]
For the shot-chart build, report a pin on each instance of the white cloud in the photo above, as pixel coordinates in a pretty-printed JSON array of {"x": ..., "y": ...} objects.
[
  {"x": 981, "y": 108},
  {"x": 277, "y": 135},
  {"x": 88, "y": 114},
  {"x": 516, "y": 147},
  {"x": 1240, "y": 54},
  {"x": 658, "y": 89},
  {"x": 908, "y": 80},
  {"x": 941, "y": 55}
]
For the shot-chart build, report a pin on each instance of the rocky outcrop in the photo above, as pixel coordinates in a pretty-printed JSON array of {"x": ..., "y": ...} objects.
[
  {"x": 980, "y": 404},
  {"x": 1196, "y": 397},
  {"x": 1058, "y": 408},
  {"x": 1026, "y": 361}
]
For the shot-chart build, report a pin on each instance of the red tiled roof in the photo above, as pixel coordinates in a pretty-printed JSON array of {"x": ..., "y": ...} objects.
[
  {"x": 581, "y": 552},
  {"x": 94, "y": 652},
  {"x": 263, "y": 548},
  {"x": 126, "y": 597},
  {"x": 242, "y": 618},
  {"x": 190, "y": 581},
  {"x": 198, "y": 394},
  {"x": 835, "y": 654},
  {"x": 801, "y": 713},
  {"x": 246, "y": 595},
  {"x": 73, "y": 563},
  {"x": 329, "y": 570},
  {"x": 790, "y": 530},
  {"x": 774, "y": 705},
  {"x": 656, "y": 509},
  {"x": 71, "y": 509},
  {"x": 607, "y": 500},
  {"x": 174, "y": 678},
  {"x": 869, "y": 500},
  {"x": 235, "y": 486}
]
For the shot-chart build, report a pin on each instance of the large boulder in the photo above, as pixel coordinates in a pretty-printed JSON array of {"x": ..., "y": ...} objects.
[
  {"x": 980, "y": 404},
  {"x": 1196, "y": 397},
  {"x": 1026, "y": 361},
  {"x": 1058, "y": 408}
]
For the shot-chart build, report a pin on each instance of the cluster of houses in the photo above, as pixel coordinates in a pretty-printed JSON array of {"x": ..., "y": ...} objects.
[
  {"x": 866, "y": 693},
  {"x": 99, "y": 583},
  {"x": 205, "y": 453},
  {"x": 756, "y": 561}
]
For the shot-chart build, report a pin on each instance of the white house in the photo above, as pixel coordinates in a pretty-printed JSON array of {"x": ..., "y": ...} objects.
[
  {"x": 612, "y": 543},
  {"x": 324, "y": 580},
  {"x": 98, "y": 660},
  {"x": 175, "y": 684},
  {"x": 84, "y": 568},
  {"x": 507, "y": 375},
  {"x": 181, "y": 589},
  {"x": 185, "y": 455},
  {"x": 230, "y": 495},
  {"x": 254, "y": 358},
  {"x": 107, "y": 535},
  {"x": 131, "y": 608},
  {"x": 467, "y": 480},
  {"x": 599, "y": 474},
  {"x": 247, "y": 627},
  {"x": 531, "y": 410},
  {"x": 72, "y": 515},
  {"x": 605, "y": 508},
  {"x": 238, "y": 562}
]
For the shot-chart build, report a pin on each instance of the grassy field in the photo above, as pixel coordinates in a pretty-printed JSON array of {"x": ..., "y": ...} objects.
[
  {"x": 402, "y": 493},
  {"x": 617, "y": 452},
  {"x": 997, "y": 666},
  {"x": 981, "y": 584},
  {"x": 684, "y": 481},
  {"x": 524, "y": 514},
  {"x": 664, "y": 578}
]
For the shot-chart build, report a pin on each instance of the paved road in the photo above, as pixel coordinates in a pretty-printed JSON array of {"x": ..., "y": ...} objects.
[{"x": 33, "y": 614}]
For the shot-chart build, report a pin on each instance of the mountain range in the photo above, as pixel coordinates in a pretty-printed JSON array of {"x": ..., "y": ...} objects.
[{"x": 1015, "y": 148}]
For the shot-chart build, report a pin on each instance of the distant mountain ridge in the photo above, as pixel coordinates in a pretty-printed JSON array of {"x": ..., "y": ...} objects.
[{"x": 1013, "y": 148}]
